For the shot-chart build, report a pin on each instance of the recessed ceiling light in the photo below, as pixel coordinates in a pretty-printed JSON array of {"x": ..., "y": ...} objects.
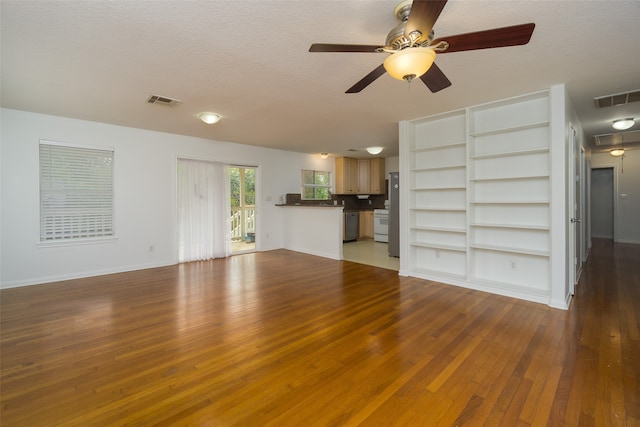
[
  {"x": 209, "y": 118},
  {"x": 623, "y": 124}
]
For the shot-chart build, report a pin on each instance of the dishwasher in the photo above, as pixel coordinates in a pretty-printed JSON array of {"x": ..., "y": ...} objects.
[{"x": 351, "y": 226}]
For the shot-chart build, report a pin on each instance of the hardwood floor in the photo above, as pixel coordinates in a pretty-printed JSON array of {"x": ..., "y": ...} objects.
[{"x": 286, "y": 339}]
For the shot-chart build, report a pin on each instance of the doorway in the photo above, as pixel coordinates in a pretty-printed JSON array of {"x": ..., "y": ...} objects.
[
  {"x": 602, "y": 203},
  {"x": 242, "y": 191}
]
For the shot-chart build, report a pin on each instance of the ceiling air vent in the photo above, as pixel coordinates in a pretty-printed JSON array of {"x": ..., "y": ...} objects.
[
  {"x": 617, "y": 138},
  {"x": 163, "y": 100},
  {"x": 617, "y": 99}
]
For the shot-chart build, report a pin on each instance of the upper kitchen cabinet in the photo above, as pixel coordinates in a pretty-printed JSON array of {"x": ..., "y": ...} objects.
[
  {"x": 377, "y": 176},
  {"x": 360, "y": 176},
  {"x": 346, "y": 175}
]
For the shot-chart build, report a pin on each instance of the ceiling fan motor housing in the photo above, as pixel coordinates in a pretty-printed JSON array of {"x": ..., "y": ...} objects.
[{"x": 396, "y": 39}]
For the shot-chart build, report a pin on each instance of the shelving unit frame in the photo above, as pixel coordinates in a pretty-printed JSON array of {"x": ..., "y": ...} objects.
[{"x": 478, "y": 196}]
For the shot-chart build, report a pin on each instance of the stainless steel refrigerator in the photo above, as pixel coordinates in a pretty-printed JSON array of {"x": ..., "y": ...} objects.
[{"x": 394, "y": 214}]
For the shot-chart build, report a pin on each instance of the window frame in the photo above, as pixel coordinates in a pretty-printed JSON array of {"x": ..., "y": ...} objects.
[
  {"x": 84, "y": 228},
  {"x": 315, "y": 186}
]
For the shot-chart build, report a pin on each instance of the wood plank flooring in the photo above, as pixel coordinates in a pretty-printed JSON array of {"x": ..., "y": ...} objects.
[{"x": 285, "y": 339}]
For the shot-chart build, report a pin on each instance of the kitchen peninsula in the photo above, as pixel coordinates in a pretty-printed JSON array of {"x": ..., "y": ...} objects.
[
  {"x": 316, "y": 227},
  {"x": 313, "y": 229}
]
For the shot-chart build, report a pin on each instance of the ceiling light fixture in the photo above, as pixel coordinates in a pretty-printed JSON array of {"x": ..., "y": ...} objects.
[
  {"x": 209, "y": 118},
  {"x": 375, "y": 150},
  {"x": 617, "y": 152},
  {"x": 409, "y": 63},
  {"x": 324, "y": 155},
  {"x": 623, "y": 124}
]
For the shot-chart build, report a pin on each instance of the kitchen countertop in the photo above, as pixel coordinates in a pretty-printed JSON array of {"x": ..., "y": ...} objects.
[{"x": 300, "y": 205}]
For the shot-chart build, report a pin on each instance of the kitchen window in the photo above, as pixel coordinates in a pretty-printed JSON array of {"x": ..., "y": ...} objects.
[
  {"x": 316, "y": 185},
  {"x": 76, "y": 193}
]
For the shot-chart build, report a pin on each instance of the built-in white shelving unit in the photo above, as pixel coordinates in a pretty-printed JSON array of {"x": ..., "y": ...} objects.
[
  {"x": 438, "y": 196},
  {"x": 479, "y": 196},
  {"x": 509, "y": 193}
]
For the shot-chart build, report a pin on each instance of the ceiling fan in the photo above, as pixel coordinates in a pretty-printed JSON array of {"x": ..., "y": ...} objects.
[{"x": 413, "y": 48}]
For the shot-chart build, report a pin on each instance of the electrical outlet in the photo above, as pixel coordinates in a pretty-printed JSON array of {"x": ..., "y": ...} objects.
[
  {"x": 151, "y": 248},
  {"x": 514, "y": 265},
  {"x": 437, "y": 253}
]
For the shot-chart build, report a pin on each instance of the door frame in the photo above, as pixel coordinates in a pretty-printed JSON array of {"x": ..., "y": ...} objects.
[
  {"x": 572, "y": 226},
  {"x": 614, "y": 190}
]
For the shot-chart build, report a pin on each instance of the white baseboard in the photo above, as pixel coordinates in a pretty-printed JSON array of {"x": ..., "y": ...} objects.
[{"x": 82, "y": 275}]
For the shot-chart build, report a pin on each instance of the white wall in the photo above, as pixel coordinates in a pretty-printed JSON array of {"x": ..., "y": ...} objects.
[
  {"x": 626, "y": 182},
  {"x": 313, "y": 230},
  {"x": 145, "y": 164},
  {"x": 392, "y": 164}
]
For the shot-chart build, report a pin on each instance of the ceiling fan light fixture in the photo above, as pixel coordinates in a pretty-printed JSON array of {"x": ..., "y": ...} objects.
[
  {"x": 375, "y": 150},
  {"x": 209, "y": 118},
  {"x": 623, "y": 124},
  {"x": 409, "y": 63},
  {"x": 617, "y": 152}
]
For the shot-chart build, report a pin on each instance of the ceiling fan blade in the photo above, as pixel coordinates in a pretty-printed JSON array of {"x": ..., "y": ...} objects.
[
  {"x": 423, "y": 15},
  {"x": 435, "y": 79},
  {"x": 367, "y": 80},
  {"x": 498, "y": 37},
  {"x": 325, "y": 47}
]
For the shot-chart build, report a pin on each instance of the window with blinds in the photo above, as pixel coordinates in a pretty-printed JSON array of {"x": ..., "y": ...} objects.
[{"x": 76, "y": 192}]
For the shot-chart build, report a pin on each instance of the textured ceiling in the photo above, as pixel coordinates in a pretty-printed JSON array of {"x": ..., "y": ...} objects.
[{"x": 249, "y": 61}]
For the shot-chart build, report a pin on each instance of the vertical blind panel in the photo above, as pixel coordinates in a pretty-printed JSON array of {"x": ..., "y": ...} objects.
[{"x": 76, "y": 192}]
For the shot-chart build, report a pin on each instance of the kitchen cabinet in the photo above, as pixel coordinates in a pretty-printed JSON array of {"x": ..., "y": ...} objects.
[
  {"x": 377, "y": 176},
  {"x": 359, "y": 176},
  {"x": 346, "y": 175},
  {"x": 366, "y": 224},
  {"x": 363, "y": 176}
]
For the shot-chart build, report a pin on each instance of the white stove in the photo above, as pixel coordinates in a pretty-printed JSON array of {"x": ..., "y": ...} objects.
[{"x": 381, "y": 225}]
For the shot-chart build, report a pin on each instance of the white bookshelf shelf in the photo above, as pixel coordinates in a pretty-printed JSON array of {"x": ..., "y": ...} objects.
[
  {"x": 437, "y": 168},
  {"x": 510, "y": 178},
  {"x": 509, "y": 153},
  {"x": 509, "y": 202},
  {"x": 438, "y": 188},
  {"x": 443, "y": 229},
  {"x": 438, "y": 209},
  {"x": 510, "y": 249},
  {"x": 440, "y": 246},
  {"x": 439, "y": 147},
  {"x": 511, "y": 226},
  {"x": 510, "y": 129},
  {"x": 438, "y": 273}
]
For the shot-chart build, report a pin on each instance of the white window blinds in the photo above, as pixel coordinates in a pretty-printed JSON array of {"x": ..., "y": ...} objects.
[{"x": 76, "y": 192}]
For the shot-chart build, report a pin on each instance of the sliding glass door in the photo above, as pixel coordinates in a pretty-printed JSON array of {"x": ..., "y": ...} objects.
[
  {"x": 216, "y": 210},
  {"x": 203, "y": 219},
  {"x": 242, "y": 189}
]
